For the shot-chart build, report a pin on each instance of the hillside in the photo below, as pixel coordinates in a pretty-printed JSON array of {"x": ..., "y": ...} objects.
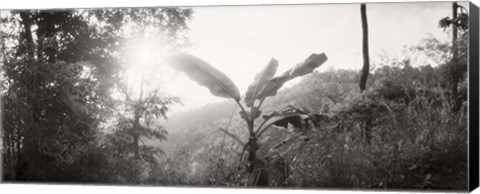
[{"x": 399, "y": 141}]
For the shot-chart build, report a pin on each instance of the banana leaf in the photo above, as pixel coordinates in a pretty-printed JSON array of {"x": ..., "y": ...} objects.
[
  {"x": 273, "y": 85},
  {"x": 204, "y": 74},
  {"x": 259, "y": 82}
]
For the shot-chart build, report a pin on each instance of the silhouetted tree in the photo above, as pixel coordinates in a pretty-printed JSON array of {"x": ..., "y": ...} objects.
[{"x": 366, "y": 59}]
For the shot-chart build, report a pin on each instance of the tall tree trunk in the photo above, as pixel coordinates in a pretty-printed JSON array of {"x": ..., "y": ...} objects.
[
  {"x": 366, "y": 59},
  {"x": 137, "y": 114},
  {"x": 454, "y": 61},
  {"x": 366, "y": 68},
  {"x": 28, "y": 33},
  {"x": 8, "y": 156},
  {"x": 136, "y": 135},
  {"x": 22, "y": 163}
]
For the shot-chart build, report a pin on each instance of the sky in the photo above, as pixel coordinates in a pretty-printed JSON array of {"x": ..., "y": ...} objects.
[{"x": 240, "y": 40}]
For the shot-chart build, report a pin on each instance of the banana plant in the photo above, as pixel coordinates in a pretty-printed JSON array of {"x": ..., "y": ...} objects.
[{"x": 265, "y": 84}]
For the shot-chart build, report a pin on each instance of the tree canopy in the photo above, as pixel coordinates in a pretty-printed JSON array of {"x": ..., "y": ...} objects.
[{"x": 62, "y": 69}]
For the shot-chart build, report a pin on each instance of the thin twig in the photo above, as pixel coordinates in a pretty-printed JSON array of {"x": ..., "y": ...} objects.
[
  {"x": 283, "y": 142},
  {"x": 233, "y": 136},
  {"x": 391, "y": 113},
  {"x": 240, "y": 161},
  {"x": 223, "y": 140}
]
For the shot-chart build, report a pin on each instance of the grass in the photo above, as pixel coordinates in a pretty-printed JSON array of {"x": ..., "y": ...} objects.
[{"x": 412, "y": 147}]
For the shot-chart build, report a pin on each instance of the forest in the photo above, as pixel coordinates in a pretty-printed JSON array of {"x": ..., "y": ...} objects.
[{"x": 72, "y": 111}]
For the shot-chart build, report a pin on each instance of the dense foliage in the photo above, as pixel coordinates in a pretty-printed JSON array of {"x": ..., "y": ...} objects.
[
  {"x": 71, "y": 114},
  {"x": 404, "y": 131},
  {"x": 63, "y": 87}
]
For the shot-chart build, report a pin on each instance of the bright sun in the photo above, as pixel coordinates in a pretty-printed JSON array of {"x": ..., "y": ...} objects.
[
  {"x": 145, "y": 69},
  {"x": 144, "y": 58}
]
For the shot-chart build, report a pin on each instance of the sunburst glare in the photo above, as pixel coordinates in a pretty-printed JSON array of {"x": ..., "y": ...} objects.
[{"x": 144, "y": 57}]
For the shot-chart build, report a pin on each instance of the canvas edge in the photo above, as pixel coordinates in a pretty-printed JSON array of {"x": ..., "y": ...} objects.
[{"x": 473, "y": 97}]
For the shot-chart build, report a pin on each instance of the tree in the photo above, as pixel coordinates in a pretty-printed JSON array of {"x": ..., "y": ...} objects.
[
  {"x": 366, "y": 66},
  {"x": 60, "y": 70},
  {"x": 366, "y": 60},
  {"x": 56, "y": 124},
  {"x": 457, "y": 66}
]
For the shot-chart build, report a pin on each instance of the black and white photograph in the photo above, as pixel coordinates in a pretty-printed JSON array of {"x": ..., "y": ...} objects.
[{"x": 350, "y": 96}]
